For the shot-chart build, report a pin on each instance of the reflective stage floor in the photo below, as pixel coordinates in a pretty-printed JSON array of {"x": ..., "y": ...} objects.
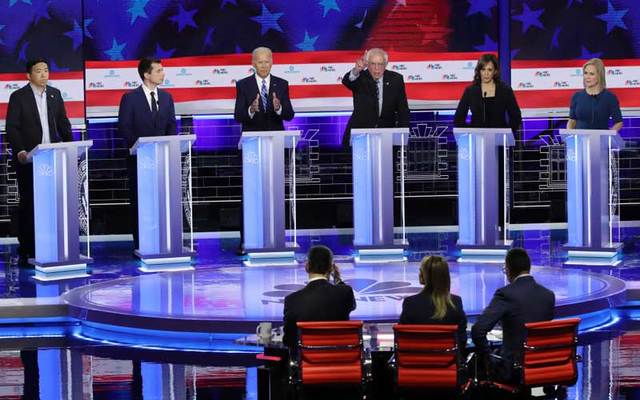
[{"x": 185, "y": 323}]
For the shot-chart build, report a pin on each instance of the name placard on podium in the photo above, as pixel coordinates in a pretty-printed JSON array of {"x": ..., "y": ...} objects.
[
  {"x": 478, "y": 193},
  {"x": 263, "y": 187},
  {"x": 159, "y": 163},
  {"x": 590, "y": 205},
  {"x": 372, "y": 152},
  {"x": 55, "y": 209}
]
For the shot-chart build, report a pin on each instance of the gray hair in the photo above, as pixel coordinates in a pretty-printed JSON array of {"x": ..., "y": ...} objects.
[
  {"x": 379, "y": 51},
  {"x": 259, "y": 50}
]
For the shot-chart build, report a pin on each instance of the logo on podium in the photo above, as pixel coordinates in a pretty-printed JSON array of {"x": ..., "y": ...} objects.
[
  {"x": 251, "y": 158},
  {"x": 45, "y": 170},
  {"x": 146, "y": 163}
]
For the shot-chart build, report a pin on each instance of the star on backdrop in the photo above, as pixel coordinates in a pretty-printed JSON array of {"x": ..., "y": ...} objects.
[
  {"x": 115, "y": 52},
  {"x": 529, "y": 18},
  {"x": 328, "y": 6},
  {"x": 308, "y": 43},
  {"x": 613, "y": 18},
  {"x": 137, "y": 10},
  {"x": 268, "y": 20},
  {"x": 481, "y": 6},
  {"x": 184, "y": 18}
]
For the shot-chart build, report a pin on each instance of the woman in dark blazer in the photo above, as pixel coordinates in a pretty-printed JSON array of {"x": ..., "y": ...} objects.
[
  {"x": 489, "y": 99},
  {"x": 435, "y": 304}
]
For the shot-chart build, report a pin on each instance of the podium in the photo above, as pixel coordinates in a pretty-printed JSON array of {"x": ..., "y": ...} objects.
[
  {"x": 590, "y": 202},
  {"x": 55, "y": 210},
  {"x": 478, "y": 193},
  {"x": 159, "y": 163},
  {"x": 263, "y": 187},
  {"x": 372, "y": 152}
]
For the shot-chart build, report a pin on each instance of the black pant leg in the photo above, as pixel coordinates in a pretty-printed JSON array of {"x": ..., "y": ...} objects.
[
  {"x": 26, "y": 230},
  {"x": 132, "y": 169}
]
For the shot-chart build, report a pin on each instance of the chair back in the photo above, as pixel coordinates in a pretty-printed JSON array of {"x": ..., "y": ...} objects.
[
  {"x": 427, "y": 356},
  {"x": 549, "y": 356},
  {"x": 330, "y": 352}
]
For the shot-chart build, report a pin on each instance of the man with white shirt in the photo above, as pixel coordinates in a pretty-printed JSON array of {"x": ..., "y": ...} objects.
[
  {"x": 320, "y": 300},
  {"x": 144, "y": 111},
  {"x": 35, "y": 115},
  {"x": 523, "y": 300},
  {"x": 262, "y": 104},
  {"x": 379, "y": 97}
]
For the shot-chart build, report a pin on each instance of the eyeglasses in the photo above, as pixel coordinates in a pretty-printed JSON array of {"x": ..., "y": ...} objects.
[{"x": 377, "y": 65}]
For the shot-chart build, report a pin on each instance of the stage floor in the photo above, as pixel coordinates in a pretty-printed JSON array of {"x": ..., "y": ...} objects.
[{"x": 234, "y": 299}]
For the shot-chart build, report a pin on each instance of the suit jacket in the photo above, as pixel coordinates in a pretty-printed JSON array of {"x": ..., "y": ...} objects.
[
  {"x": 320, "y": 300},
  {"x": 491, "y": 112},
  {"x": 395, "y": 108},
  {"x": 518, "y": 303},
  {"x": 24, "y": 129},
  {"x": 135, "y": 119},
  {"x": 419, "y": 308},
  {"x": 246, "y": 91}
]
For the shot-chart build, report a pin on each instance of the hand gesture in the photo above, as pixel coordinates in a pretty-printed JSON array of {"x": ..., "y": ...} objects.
[
  {"x": 361, "y": 64},
  {"x": 22, "y": 157},
  {"x": 255, "y": 106},
  {"x": 276, "y": 102},
  {"x": 335, "y": 272}
]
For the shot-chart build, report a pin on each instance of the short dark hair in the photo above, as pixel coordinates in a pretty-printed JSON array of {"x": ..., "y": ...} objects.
[
  {"x": 145, "y": 65},
  {"x": 484, "y": 60},
  {"x": 32, "y": 63},
  {"x": 517, "y": 261},
  {"x": 319, "y": 259}
]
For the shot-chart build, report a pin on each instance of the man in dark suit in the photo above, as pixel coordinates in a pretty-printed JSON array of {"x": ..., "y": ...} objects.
[
  {"x": 262, "y": 103},
  {"x": 145, "y": 111},
  {"x": 379, "y": 97},
  {"x": 35, "y": 115},
  {"x": 523, "y": 300},
  {"x": 320, "y": 300}
]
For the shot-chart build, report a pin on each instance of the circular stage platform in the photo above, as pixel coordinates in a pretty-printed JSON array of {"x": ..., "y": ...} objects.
[{"x": 232, "y": 300}]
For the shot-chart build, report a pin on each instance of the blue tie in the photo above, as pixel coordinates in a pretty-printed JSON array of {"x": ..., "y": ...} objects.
[{"x": 263, "y": 95}]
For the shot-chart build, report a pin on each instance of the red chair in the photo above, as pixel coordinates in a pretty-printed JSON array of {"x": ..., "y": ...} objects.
[
  {"x": 427, "y": 357},
  {"x": 549, "y": 356},
  {"x": 331, "y": 353}
]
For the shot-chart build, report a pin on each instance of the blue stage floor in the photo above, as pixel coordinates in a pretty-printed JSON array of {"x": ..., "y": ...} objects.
[{"x": 183, "y": 319}]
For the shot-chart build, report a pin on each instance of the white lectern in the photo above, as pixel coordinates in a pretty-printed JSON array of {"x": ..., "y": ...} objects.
[
  {"x": 55, "y": 209},
  {"x": 589, "y": 196},
  {"x": 373, "y": 192},
  {"x": 263, "y": 187},
  {"x": 159, "y": 163},
  {"x": 478, "y": 193}
]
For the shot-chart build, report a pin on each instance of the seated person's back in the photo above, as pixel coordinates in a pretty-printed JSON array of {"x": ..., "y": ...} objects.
[
  {"x": 320, "y": 300},
  {"x": 523, "y": 300},
  {"x": 435, "y": 304}
]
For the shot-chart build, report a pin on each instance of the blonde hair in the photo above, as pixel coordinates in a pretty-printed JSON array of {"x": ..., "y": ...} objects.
[
  {"x": 435, "y": 273},
  {"x": 599, "y": 66}
]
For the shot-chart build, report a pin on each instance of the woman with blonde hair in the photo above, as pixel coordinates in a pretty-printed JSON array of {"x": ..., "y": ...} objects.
[
  {"x": 435, "y": 304},
  {"x": 592, "y": 107}
]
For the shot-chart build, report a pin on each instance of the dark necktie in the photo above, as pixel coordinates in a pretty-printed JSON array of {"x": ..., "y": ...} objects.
[
  {"x": 377, "y": 96},
  {"x": 154, "y": 103}
]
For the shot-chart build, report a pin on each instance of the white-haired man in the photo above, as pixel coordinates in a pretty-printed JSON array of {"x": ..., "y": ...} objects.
[
  {"x": 379, "y": 97},
  {"x": 262, "y": 104}
]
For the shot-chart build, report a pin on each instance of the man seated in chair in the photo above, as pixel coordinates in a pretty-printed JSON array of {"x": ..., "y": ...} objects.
[
  {"x": 320, "y": 300},
  {"x": 523, "y": 300}
]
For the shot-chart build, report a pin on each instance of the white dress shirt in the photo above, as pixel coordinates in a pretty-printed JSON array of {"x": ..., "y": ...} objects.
[
  {"x": 268, "y": 85},
  {"x": 147, "y": 94},
  {"x": 43, "y": 112}
]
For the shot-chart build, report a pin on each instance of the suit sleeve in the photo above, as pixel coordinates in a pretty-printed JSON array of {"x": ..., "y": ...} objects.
[
  {"x": 289, "y": 330},
  {"x": 14, "y": 132},
  {"x": 462, "y": 325},
  {"x": 62, "y": 121},
  {"x": 403, "y": 106},
  {"x": 351, "y": 85},
  {"x": 515, "y": 115},
  {"x": 487, "y": 320},
  {"x": 171, "y": 124},
  {"x": 460, "y": 118},
  {"x": 125, "y": 120},
  {"x": 404, "y": 317},
  {"x": 241, "y": 110},
  {"x": 287, "y": 109}
]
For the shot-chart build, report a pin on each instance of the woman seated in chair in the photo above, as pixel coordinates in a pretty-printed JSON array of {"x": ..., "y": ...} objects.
[{"x": 435, "y": 304}]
